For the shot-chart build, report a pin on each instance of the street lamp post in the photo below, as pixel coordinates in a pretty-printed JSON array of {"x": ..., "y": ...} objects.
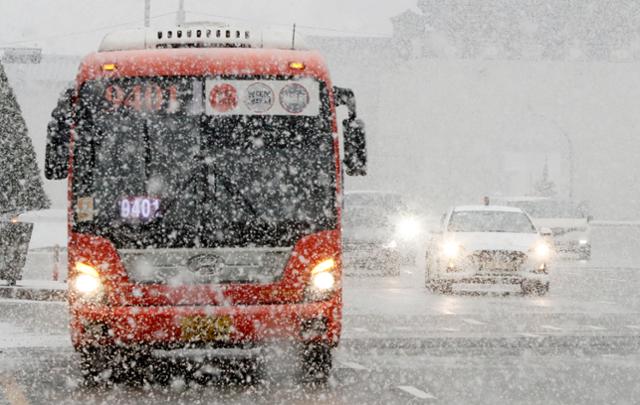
[
  {"x": 570, "y": 153},
  {"x": 566, "y": 136}
]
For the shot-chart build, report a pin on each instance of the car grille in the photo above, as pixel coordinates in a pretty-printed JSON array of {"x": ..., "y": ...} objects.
[
  {"x": 503, "y": 260},
  {"x": 365, "y": 255},
  {"x": 205, "y": 266}
]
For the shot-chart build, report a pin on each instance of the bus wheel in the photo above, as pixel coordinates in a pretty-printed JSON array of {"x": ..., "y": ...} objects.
[
  {"x": 95, "y": 365},
  {"x": 316, "y": 363}
]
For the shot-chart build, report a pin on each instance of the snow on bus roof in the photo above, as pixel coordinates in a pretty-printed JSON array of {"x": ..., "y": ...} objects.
[
  {"x": 500, "y": 208},
  {"x": 202, "y": 61},
  {"x": 200, "y": 35}
]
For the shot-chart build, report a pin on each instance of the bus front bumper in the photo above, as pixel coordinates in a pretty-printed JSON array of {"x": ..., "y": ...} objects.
[{"x": 205, "y": 326}]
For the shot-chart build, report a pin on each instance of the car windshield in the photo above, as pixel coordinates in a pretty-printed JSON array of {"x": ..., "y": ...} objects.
[
  {"x": 490, "y": 221},
  {"x": 174, "y": 177}
]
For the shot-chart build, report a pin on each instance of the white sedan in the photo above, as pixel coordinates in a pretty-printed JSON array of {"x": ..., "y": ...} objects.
[{"x": 479, "y": 245}]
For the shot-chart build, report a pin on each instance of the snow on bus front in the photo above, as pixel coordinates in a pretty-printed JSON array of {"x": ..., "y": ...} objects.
[{"x": 204, "y": 212}]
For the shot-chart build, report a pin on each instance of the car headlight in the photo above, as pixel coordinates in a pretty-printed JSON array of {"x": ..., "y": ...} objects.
[
  {"x": 87, "y": 282},
  {"x": 542, "y": 250},
  {"x": 407, "y": 228},
  {"x": 451, "y": 249},
  {"x": 583, "y": 241}
]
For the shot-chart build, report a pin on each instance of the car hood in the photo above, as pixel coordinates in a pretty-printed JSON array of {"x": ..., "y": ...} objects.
[{"x": 471, "y": 241}]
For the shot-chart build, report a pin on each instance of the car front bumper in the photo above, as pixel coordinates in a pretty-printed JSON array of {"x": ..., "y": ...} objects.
[{"x": 367, "y": 256}]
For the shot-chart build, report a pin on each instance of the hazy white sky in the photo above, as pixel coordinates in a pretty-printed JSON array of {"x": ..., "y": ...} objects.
[{"x": 48, "y": 23}]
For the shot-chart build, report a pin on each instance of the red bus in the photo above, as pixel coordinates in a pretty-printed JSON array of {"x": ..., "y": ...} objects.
[{"x": 204, "y": 181}]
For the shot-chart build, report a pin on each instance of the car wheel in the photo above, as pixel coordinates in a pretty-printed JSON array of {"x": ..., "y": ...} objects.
[
  {"x": 316, "y": 362},
  {"x": 440, "y": 287},
  {"x": 535, "y": 288}
]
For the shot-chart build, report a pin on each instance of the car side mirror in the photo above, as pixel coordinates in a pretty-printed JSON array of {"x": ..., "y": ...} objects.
[
  {"x": 546, "y": 232},
  {"x": 355, "y": 143}
]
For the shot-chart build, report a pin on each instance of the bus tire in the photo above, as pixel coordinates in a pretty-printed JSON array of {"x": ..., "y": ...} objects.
[
  {"x": 95, "y": 365},
  {"x": 316, "y": 362}
]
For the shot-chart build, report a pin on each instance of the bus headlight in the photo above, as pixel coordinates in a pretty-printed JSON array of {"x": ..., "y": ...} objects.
[
  {"x": 323, "y": 281},
  {"x": 87, "y": 282}
]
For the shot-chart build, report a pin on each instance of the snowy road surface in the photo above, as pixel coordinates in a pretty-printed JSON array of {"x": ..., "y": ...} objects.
[{"x": 400, "y": 344}]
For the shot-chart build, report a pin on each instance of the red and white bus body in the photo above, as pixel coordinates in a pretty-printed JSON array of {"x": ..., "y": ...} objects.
[{"x": 126, "y": 313}]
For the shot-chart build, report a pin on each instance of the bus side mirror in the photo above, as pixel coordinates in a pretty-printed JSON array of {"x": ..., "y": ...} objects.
[
  {"x": 56, "y": 165},
  {"x": 355, "y": 147},
  {"x": 355, "y": 143}
]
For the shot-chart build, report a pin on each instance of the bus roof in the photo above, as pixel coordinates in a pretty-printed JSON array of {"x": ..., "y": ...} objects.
[{"x": 203, "y": 62}]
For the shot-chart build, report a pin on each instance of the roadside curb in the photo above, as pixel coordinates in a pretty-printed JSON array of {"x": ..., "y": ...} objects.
[{"x": 33, "y": 294}]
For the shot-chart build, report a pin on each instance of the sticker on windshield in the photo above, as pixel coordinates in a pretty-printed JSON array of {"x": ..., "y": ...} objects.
[
  {"x": 263, "y": 97},
  {"x": 259, "y": 97},
  {"x": 223, "y": 98},
  {"x": 294, "y": 98},
  {"x": 139, "y": 208}
]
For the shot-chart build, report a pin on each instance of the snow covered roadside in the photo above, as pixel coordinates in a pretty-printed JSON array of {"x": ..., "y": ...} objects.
[
  {"x": 14, "y": 337},
  {"x": 27, "y": 324}
]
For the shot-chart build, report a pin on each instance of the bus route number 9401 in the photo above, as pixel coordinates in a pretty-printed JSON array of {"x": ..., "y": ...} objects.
[{"x": 137, "y": 208}]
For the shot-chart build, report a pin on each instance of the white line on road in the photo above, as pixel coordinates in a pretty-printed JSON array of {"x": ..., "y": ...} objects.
[
  {"x": 635, "y": 327},
  {"x": 352, "y": 365},
  {"x": 529, "y": 335},
  {"x": 361, "y": 329},
  {"x": 472, "y": 321},
  {"x": 551, "y": 327},
  {"x": 416, "y": 392},
  {"x": 449, "y": 329},
  {"x": 596, "y": 327}
]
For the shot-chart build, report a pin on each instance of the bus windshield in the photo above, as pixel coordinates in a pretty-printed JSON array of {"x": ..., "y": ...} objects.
[{"x": 153, "y": 169}]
